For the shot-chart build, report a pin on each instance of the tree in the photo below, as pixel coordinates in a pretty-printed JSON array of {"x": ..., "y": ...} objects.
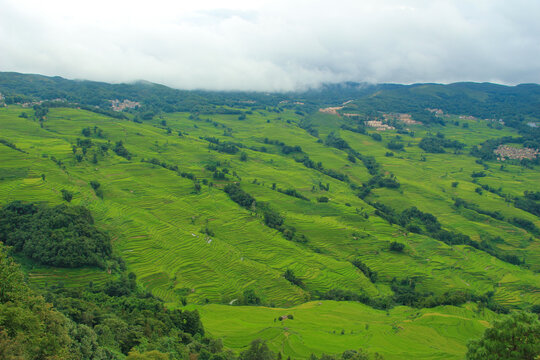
[
  {"x": 29, "y": 328},
  {"x": 292, "y": 278},
  {"x": 59, "y": 236},
  {"x": 397, "y": 247},
  {"x": 258, "y": 350},
  {"x": 250, "y": 297},
  {"x": 517, "y": 337},
  {"x": 67, "y": 195}
]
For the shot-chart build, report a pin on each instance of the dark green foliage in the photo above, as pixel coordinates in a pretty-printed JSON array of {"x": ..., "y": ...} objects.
[
  {"x": 224, "y": 147},
  {"x": 11, "y": 145},
  {"x": 359, "y": 129},
  {"x": 86, "y": 132},
  {"x": 370, "y": 274},
  {"x": 335, "y": 174},
  {"x": 462, "y": 203},
  {"x": 433, "y": 144},
  {"x": 243, "y": 156},
  {"x": 405, "y": 293},
  {"x": 121, "y": 316},
  {"x": 477, "y": 174},
  {"x": 41, "y": 111},
  {"x": 394, "y": 145},
  {"x": 120, "y": 150},
  {"x": 292, "y": 278},
  {"x": 271, "y": 217},
  {"x": 528, "y": 205},
  {"x": 532, "y": 195},
  {"x": 251, "y": 298},
  {"x": 67, "y": 195},
  {"x": 59, "y": 236},
  {"x": 337, "y": 142},
  {"x": 293, "y": 193},
  {"x": 487, "y": 246},
  {"x": 371, "y": 164},
  {"x": 286, "y": 149},
  {"x": 379, "y": 181},
  {"x": 258, "y": 350},
  {"x": 309, "y": 129},
  {"x": 396, "y": 247},
  {"x": 94, "y": 322},
  {"x": 219, "y": 175},
  {"x": 322, "y": 199},
  {"x": 99, "y": 193},
  {"x": 29, "y": 328},
  {"x": 347, "y": 355},
  {"x": 516, "y": 337},
  {"x": 376, "y": 136},
  {"x": 525, "y": 224},
  {"x": 95, "y": 184},
  {"x": 97, "y": 188},
  {"x": 239, "y": 196}
]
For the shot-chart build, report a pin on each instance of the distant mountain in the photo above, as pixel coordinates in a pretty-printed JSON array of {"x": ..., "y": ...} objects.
[{"x": 484, "y": 100}]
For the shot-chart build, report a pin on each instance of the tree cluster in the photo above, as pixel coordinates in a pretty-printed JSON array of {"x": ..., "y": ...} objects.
[
  {"x": 59, "y": 236},
  {"x": 435, "y": 144}
]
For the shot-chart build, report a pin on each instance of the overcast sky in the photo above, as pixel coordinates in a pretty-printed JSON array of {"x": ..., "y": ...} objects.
[{"x": 273, "y": 45}]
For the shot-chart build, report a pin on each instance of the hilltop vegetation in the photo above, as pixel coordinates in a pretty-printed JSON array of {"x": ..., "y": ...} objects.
[
  {"x": 59, "y": 236},
  {"x": 275, "y": 204}
]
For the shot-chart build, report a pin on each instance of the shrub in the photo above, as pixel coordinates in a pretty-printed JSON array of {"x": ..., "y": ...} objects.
[
  {"x": 396, "y": 247},
  {"x": 67, "y": 195}
]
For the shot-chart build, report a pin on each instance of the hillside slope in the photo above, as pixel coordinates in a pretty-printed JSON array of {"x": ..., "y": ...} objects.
[{"x": 249, "y": 204}]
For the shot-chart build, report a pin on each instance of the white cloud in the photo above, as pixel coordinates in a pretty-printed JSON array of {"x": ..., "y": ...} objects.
[{"x": 273, "y": 45}]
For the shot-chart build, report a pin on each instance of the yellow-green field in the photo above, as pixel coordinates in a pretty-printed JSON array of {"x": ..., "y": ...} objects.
[
  {"x": 330, "y": 327},
  {"x": 156, "y": 220}
]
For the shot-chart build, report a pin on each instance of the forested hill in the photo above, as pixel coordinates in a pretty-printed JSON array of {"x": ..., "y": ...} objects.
[{"x": 485, "y": 100}]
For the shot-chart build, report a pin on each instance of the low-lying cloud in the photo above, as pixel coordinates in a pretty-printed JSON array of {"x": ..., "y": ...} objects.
[{"x": 273, "y": 45}]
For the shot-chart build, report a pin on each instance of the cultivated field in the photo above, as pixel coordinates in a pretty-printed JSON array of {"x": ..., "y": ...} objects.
[{"x": 203, "y": 247}]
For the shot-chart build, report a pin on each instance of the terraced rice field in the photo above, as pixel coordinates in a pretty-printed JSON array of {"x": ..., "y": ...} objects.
[
  {"x": 332, "y": 327},
  {"x": 158, "y": 222}
]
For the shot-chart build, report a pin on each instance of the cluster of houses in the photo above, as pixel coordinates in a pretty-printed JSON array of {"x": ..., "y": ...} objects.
[
  {"x": 331, "y": 110},
  {"x": 505, "y": 152},
  {"x": 435, "y": 111},
  {"x": 378, "y": 125},
  {"x": 404, "y": 118},
  {"x": 118, "y": 105}
]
